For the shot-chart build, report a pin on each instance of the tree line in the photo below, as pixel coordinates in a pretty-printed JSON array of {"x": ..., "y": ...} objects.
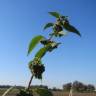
[
  {"x": 79, "y": 87},
  {"x": 76, "y": 86}
]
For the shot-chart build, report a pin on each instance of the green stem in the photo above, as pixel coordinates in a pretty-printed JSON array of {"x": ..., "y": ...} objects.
[{"x": 50, "y": 37}]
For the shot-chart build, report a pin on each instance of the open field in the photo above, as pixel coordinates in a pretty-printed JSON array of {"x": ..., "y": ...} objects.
[
  {"x": 74, "y": 94},
  {"x": 55, "y": 93},
  {"x": 11, "y": 93}
]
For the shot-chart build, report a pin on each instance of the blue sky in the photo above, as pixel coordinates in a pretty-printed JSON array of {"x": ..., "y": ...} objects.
[{"x": 75, "y": 59}]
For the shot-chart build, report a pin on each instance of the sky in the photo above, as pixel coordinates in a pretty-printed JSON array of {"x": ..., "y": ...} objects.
[{"x": 75, "y": 59}]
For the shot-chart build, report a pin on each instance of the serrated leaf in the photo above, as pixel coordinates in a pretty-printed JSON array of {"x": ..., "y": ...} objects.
[
  {"x": 48, "y": 25},
  {"x": 55, "y": 14},
  {"x": 41, "y": 52},
  {"x": 71, "y": 28},
  {"x": 34, "y": 42}
]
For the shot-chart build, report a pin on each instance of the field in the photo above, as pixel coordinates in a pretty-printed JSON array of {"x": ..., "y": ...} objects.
[
  {"x": 74, "y": 94},
  {"x": 55, "y": 93},
  {"x": 11, "y": 93}
]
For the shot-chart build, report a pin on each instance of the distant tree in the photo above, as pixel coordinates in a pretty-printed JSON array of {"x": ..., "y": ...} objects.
[
  {"x": 90, "y": 88},
  {"x": 5, "y": 86},
  {"x": 39, "y": 86},
  {"x": 79, "y": 87},
  {"x": 44, "y": 86},
  {"x": 67, "y": 87},
  {"x": 56, "y": 89}
]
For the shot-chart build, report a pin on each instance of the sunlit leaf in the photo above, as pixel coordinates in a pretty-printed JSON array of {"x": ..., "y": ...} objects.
[
  {"x": 55, "y": 14},
  {"x": 41, "y": 52},
  {"x": 61, "y": 33},
  {"x": 48, "y": 25},
  {"x": 34, "y": 42}
]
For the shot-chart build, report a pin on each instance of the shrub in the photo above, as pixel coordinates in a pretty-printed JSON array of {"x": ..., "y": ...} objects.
[
  {"x": 44, "y": 92},
  {"x": 24, "y": 92}
]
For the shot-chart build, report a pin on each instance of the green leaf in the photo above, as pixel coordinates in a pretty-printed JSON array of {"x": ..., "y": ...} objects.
[
  {"x": 41, "y": 52},
  {"x": 34, "y": 42},
  {"x": 30, "y": 62},
  {"x": 55, "y": 14},
  {"x": 48, "y": 25},
  {"x": 71, "y": 28}
]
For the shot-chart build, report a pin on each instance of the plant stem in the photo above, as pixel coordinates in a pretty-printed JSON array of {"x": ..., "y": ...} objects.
[
  {"x": 30, "y": 82},
  {"x": 50, "y": 37}
]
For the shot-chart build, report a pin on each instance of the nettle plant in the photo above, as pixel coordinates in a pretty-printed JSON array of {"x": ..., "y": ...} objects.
[{"x": 59, "y": 27}]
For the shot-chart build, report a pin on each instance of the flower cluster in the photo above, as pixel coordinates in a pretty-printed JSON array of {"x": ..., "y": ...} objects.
[{"x": 37, "y": 68}]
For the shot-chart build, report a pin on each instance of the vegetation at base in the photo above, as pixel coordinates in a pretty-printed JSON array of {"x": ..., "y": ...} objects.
[
  {"x": 55, "y": 91},
  {"x": 24, "y": 92},
  {"x": 43, "y": 92},
  {"x": 77, "y": 87}
]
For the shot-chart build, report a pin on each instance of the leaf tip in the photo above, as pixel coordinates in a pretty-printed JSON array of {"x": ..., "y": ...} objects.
[
  {"x": 28, "y": 53},
  {"x": 79, "y": 34}
]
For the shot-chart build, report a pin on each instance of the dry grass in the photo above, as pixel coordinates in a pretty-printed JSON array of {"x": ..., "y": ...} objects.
[
  {"x": 55, "y": 93},
  {"x": 74, "y": 94},
  {"x": 11, "y": 93}
]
